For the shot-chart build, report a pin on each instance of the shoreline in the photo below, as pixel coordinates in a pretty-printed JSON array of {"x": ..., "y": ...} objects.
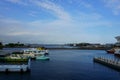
[
  {"x": 76, "y": 48},
  {"x": 65, "y": 48}
]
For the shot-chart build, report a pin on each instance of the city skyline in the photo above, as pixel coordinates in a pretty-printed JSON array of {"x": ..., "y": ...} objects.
[{"x": 59, "y": 21}]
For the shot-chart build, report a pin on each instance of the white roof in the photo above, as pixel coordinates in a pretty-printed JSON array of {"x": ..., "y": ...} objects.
[{"x": 118, "y": 38}]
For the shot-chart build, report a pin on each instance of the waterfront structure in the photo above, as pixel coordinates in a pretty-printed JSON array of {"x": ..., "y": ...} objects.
[
  {"x": 108, "y": 62},
  {"x": 117, "y": 52},
  {"x": 117, "y": 49},
  {"x": 118, "y": 41},
  {"x": 15, "y": 67}
]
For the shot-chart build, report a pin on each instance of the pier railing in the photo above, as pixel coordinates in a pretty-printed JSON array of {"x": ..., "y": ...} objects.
[
  {"x": 108, "y": 62},
  {"x": 15, "y": 67}
]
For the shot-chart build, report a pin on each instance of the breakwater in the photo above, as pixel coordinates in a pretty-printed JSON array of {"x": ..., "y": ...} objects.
[
  {"x": 108, "y": 62},
  {"x": 15, "y": 66}
]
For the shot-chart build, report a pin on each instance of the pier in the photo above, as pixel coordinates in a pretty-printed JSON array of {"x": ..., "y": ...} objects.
[
  {"x": 108, "y": 62},
  {"x": 16, "y": 67}
]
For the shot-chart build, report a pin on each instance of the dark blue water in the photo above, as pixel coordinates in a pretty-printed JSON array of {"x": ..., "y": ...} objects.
[{"x": 68, "y": 65}]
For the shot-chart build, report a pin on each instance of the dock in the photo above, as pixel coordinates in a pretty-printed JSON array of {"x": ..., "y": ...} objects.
[
  {"x": 108, "y": 62},
  {"x": 16, "y": 67}
]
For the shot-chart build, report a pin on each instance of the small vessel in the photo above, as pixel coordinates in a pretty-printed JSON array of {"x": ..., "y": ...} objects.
[
  {"x": 43, "y": 50},
  {"x": 111, "y": 51},
  {"x": 12, "y": 58},
  {"x": 34, "y": 52},
  {"x": 42, "y": 58}
]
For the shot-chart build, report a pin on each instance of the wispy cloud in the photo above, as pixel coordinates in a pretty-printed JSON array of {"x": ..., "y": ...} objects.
[
  {"x": 114, "y": 5},
  {"x": 58, "y": 31},
  {"x": 33, "y": 13},
  {"x": 49, "y": 6},
  {"x": 84, "y": 4},
  {"x": 80, "y": 3},
  {"x": 57, "y": 10},
  {"x": 68, "y": 27},
  {"x": 17, "y": 2},
  {"x": 14, "y": 1}
]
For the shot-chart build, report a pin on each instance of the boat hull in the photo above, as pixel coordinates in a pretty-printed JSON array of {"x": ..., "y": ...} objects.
[
  {"x": 110, "y": 52},
  {"x": 42, "y": 58}
]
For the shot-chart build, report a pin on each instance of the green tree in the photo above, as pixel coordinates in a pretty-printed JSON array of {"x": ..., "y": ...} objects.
[{"x": 1, "y": 45}]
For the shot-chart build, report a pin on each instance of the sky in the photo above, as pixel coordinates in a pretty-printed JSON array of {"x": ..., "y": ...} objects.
[{"x": 59, "y": 21}]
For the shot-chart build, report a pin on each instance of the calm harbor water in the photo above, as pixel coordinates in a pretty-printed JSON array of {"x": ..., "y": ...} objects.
[{"x": 68, "y": 65}]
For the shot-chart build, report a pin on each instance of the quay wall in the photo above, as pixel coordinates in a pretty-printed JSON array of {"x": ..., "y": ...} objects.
[{"x": 110, "y": 63}]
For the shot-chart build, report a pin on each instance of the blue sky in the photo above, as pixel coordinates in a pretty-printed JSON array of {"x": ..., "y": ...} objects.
[{"x": 59, "y": 21}]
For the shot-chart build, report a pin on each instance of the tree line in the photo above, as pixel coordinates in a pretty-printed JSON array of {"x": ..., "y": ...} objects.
[
  {"x": 14, "y": 45},
  {"x": 1, "y": 45},
  {"x": 11, "y": 45}
]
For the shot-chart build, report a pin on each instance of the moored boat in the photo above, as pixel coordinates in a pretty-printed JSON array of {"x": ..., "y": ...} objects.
[
  {"x": 117, "y": 52},
  {"x": 42, "y": 58},
  {"x": 12, "y": 58},
  {"x": 111, "y": 51},
  {"x": 36, "y": 51}
]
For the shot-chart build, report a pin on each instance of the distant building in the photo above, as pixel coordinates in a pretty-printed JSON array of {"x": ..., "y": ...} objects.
[
  {"x": 109, "y": 45},
  {"x": 74, "y": 44},
  {"x": 118, "y": 41}
]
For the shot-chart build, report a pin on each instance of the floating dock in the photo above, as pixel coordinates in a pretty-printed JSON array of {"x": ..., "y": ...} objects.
[
  {"x": 108, "y": 62},
  {"x": 16, "y": 67}
]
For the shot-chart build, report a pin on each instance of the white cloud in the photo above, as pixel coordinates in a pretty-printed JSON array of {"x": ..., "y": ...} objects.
[
  {"x": 58, "y": 31},
  {"x": 47, "y": 32},
  {"x": 33, "y": 13},
  {"x": 18, "y": 2},
  {"x": 91, "y": 16},
  {"x": 14, "y": 1},
  {"x": 114, "y": 5},
  {"x": 83, "y": 3},
  {"x": 58, "y": 11},
  {"x": 67, "y": 28}
]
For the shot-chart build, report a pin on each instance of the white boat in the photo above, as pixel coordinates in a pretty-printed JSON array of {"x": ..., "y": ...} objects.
[
  {"x": 23, "y": 54},
  {"x": 117, "y": 52},
  {"x": 42, "y": 58},
  {"x": 35, "y": 52}
]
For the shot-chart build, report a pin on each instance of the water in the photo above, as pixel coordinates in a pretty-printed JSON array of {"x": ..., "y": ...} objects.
[{"x": 68, "y": 65}]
